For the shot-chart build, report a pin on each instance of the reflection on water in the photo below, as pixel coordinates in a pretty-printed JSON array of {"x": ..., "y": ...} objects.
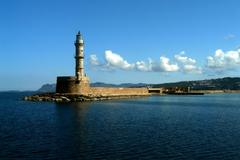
[
  {"x": 77, "y": 111},
  {"x": 166, "y": 127},
  {"x": 72, "y": 129}
]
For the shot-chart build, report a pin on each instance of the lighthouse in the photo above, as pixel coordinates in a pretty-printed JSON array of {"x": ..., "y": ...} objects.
[
  {"x": 78, "y": 84},
  {"x": 79, "y": 48}
]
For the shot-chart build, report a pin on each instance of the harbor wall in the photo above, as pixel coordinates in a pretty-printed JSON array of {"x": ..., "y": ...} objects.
[
  {"x": 117, "y": 91},
  {"x": 70, "y": 85}
]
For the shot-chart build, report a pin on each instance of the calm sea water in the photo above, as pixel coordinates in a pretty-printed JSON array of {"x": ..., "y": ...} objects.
[{"x": 157, "y": 127}]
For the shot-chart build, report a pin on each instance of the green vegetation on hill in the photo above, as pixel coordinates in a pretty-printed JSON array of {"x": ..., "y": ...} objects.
[{"x": 227, "y": 83}]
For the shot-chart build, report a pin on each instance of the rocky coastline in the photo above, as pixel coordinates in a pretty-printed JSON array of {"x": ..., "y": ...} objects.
[{"x": 56, "y": 97}]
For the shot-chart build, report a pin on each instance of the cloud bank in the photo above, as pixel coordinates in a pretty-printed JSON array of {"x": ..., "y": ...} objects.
[
  {"x": 219, "y": 62},
  {"x": 113, "y": 61}
]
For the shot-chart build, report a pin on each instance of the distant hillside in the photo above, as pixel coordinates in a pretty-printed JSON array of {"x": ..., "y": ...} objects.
[
  {"x": 47, "y": 88},
  {"x": 231, "y": 83}
]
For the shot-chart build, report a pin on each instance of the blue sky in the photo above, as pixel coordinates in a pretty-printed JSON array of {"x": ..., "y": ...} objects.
[{"x": 151, "y": 41}]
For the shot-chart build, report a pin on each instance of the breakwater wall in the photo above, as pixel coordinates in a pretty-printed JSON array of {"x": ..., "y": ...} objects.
[
  {"x": 55, "y": 97},
  {"x": 117, "y": 91}
]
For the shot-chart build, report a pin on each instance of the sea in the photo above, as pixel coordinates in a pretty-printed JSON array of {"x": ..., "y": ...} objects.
[{"x": 148, "y": 128}]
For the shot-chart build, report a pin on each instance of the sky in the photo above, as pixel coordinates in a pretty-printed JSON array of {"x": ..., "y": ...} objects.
[{"x": 126, "y": 41}]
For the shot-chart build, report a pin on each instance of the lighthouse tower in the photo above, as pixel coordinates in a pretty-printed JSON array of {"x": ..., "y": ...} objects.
[
  {"x": 78, "y": 84},
  {"x": 79, "y": 46}
]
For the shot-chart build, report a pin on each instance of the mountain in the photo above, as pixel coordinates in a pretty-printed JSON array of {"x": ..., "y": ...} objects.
[
  {"x": 101, "y": 84},
  {"x": 227, "y": 83},
  {"x": 47, "y": 88}
]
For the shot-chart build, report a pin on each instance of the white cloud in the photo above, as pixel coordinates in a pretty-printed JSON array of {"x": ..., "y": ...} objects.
[
  {"x": 163, "y": 65},
  {"x": 143, "y": 66},
  {"x": 188, "y": 68},
  {"x": 224, "y": 60},
  {"x": 94, "y": 60},
  {"x": 184, "y": 59},
  {"x": 116, "y": 61},
  {"x": 166, "y": 66},
  {"x": 188, "y": 65}
]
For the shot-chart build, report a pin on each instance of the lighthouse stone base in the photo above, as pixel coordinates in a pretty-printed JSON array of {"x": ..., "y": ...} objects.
[{"x": 70, "y": 84}]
